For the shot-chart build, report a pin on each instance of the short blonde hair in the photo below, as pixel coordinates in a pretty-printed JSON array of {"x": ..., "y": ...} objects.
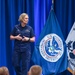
[
  {"x": 21, "y": 17},
  {"x": 35, "y": 70}
]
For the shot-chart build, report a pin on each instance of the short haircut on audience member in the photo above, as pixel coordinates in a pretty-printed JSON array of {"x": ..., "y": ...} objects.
[
  {"x": 35, "y": 70},
  {"x": 74, "y": 72},
  {"x": 4, "y": 71}
]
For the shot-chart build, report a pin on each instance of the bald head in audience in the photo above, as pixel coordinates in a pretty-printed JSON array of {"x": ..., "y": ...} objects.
[
  {"x": 74, "y": 72},
  {"x": 4, "y": 71},
  {"x": 35, "y": 70}
]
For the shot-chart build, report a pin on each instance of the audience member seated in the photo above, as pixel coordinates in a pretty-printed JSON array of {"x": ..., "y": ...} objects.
[
  {"x": 35, "y": 70},
  {"x": 74, "y": 72},
  {"x": 4, "y": 71}
]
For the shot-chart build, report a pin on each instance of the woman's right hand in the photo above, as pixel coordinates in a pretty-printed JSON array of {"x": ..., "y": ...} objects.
[{"x": 18, "y": 37}]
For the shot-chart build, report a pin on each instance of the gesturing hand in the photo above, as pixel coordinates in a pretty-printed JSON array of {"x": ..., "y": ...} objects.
[
  {"x": 18, "y": 37},
  {"x": 25, "y": 38}
]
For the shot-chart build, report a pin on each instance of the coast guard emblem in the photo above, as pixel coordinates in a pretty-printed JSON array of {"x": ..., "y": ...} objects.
[{"x": 51, "y": 47}]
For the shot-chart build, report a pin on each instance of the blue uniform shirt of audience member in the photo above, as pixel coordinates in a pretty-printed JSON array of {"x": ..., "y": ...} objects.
[{"x": 22, "y": 35}]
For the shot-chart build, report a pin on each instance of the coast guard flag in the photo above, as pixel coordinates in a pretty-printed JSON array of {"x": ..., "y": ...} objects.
[
  {"x": 70, "y": 41},
  {"x": 50, "y": 49}
]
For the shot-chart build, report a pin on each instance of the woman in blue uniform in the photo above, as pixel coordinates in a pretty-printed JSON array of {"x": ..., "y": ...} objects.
[{"x": 22, "y": 35}]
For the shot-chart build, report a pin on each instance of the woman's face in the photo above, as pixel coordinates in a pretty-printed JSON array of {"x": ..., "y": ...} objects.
[{"x": 25, "y": 20}]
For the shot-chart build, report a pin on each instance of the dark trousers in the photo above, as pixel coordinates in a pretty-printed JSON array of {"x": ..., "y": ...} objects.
[{"x": 21, "y": 62}]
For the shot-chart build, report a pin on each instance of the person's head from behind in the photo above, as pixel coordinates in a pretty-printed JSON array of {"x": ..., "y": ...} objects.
[
  {"x": 74, "y": 72},
  {"x": 35, "y": 70},
  {"x": 4, "y": 71}
]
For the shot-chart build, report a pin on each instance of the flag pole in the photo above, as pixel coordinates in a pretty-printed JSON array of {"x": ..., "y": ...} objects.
[
  {"x": 52, "y": 7},
  {"x": 52, "y": 1}
]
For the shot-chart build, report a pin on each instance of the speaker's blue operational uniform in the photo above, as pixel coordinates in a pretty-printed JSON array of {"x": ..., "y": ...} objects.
[{"x": 22, "y": 50}]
